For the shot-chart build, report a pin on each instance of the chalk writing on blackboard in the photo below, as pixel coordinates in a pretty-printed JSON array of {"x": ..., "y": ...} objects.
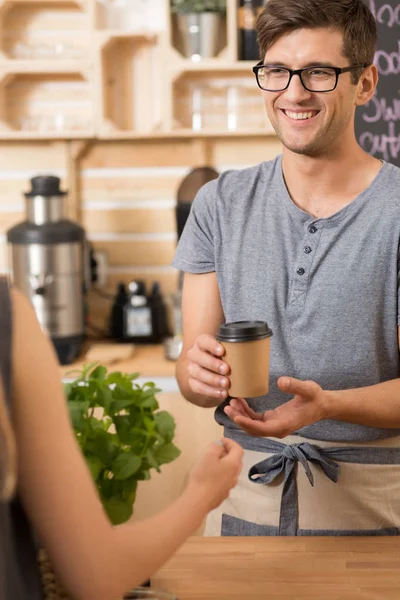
[
  {"x": 377, "y": 123},
  {"x": 386, "y": 14}
]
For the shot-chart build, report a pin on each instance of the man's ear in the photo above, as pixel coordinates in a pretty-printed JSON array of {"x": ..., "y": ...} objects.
[{"x": 366, "y": 85}]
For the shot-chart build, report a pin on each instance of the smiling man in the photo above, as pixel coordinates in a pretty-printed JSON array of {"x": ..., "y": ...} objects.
[{"x": 308, "y": 242}]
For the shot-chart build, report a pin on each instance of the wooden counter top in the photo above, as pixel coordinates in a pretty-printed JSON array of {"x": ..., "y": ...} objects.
[
  {"x": 272, "y": 568},
  {"x": 147, "y": 360}
]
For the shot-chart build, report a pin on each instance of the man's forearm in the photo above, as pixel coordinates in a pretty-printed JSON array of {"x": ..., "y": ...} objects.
[
  {"x": 374, "y": 406},
  {"x": 182, "y": 377}
]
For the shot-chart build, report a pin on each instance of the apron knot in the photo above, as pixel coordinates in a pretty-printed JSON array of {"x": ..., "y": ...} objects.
[{"x": 284, "y": 460}]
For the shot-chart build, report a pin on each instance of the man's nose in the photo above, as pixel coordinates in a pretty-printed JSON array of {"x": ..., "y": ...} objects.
[{"x": 296, "y": 90}]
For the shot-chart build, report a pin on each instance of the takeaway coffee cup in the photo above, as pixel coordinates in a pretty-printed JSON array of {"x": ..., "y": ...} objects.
[{"x": 246, "y": 346}]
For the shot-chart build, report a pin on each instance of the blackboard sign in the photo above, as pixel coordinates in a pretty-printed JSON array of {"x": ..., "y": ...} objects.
[{"x": 378, "y": 122}]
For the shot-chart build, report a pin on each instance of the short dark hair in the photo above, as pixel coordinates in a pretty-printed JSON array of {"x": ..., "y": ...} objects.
[{"x": 352, "y": 17}]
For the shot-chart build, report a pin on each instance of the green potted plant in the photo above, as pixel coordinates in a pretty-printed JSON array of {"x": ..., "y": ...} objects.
[
  {"x": 122, "y": 435},
  {"x": 198, "y": 6},
  {"x": 199, "y": 24}
]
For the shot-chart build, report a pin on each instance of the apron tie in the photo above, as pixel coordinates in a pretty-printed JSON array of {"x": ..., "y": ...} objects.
[{"x": 285, "y": 460}]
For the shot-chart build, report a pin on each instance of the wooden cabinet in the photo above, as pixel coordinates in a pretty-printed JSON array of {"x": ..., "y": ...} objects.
[{"x": 87, "y": 69}]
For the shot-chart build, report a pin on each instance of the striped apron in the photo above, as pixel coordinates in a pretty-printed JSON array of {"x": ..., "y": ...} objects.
[{"x": 298, "y": 487}]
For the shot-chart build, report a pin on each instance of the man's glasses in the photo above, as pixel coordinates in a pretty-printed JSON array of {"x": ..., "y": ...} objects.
[{"x": 315, "y": 79}]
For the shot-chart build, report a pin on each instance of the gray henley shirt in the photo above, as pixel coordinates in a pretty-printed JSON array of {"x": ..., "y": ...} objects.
[{"x": 328, "y": 288}]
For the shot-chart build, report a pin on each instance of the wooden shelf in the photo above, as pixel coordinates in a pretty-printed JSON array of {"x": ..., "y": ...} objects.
[
  {"x": 33, "y": 135},
  {"x": 45, "y": 29},
  {"x": 187, "y": 133},
  {"x": 220, "y": 133},
  {"x": 210, "y": 67},
  {"x": 132, "y": 84},
  {"x": 214, "y": 64},
  {"x": 46, "y": 66},
  {"x": 45, "y": 105},
  {"x": 217, "y": 100},
  {"x": 105, "y": 36},
  {"x": 81, "y": 3}
]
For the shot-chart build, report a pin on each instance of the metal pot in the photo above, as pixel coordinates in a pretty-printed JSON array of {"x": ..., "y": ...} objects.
[{"x": 199, "y": 34}]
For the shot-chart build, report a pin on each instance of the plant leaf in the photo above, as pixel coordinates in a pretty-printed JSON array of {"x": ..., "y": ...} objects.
[
  {"x": 125, "y": 465},
  {"x": 103, "y": 445},
  {"x": 86, "y": 369},
  {"x": 133, "y": 376},
  {"x": 78, "y": 411},
  {"x": 127, "y": 489},
  {"x": 96, "y": 425},
  {"x": 150, "y": 403},
  {"x": 149, "y": 424},
  {"x": 166, "y": 453},
  {"x": 165, "y": 425},
  {"x": 118, "y": 378},
  {"x": 118, "y": 510},
  {"x": 123, "y": 427},
  {"x": 118, "y": 405},
  {"x": 143, "y": 475},
  {"x": 149, "y": 393},
  {"x": 95, "y": 465},
  {"x": 98, "y": 374},
  {"x": 68, "y": 389},
  {"x": 104, "y": 398},
  {"x": 152, "y": 461}
]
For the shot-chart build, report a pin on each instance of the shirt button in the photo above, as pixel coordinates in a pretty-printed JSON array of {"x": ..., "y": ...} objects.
[
  {"x": 300, "y": 271},
  {"x": 312, "y": 229},
  {"x": 307, "y": 249}
]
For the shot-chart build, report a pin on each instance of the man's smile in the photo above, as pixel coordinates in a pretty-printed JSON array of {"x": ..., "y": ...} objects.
[{"x": 300, "y": 115}]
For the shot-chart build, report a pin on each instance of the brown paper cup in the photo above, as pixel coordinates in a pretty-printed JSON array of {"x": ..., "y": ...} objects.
[
  {"x": 248, "y": 358},
  {"x": 249, "y": 363}
]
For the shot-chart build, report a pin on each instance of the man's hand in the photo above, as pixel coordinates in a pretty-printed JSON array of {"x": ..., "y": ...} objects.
[
  {"x": 207, "y": 371},
  {"x": 308, "y": 406}
]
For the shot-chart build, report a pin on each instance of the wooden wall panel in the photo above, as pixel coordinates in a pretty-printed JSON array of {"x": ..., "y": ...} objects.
[
  {"x": 19, "y": 162},
  {"x": 8, "y": 219},
  {"x": 129, "y": 220},
  {"x": 167, "y": 278},
  {"x": 144, "y": 153},
  {"x": 31, "y": 156},
  {"x": 131, "y": 185},
  {"x": 138, "y": 252}
]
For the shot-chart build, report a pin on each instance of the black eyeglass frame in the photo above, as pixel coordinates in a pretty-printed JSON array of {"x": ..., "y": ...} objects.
[{"x": 338, "y": 71}]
